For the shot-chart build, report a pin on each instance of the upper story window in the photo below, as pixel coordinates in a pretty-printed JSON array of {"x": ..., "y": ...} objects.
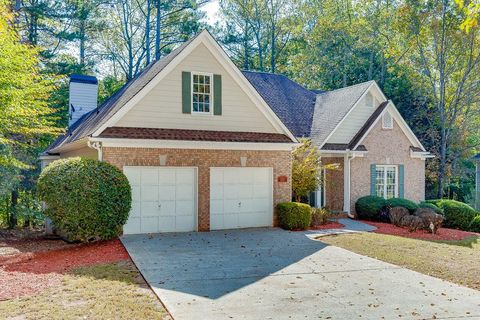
[
  {"x": 201, "y": 93},
  {"x": 387, "y": 121}
]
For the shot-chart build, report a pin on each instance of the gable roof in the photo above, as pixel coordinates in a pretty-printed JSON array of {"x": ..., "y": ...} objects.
[
  {"x": 292, "y": 103},
  {"x": 364, "y": 129},
  {"x": 91, "y": 121},
  {"x": 331, "y": 108}
]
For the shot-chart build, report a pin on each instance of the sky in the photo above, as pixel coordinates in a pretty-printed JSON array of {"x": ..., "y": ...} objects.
[{"x": 211, "y": 9}]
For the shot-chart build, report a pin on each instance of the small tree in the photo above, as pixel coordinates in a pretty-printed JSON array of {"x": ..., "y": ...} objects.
[{"x": 306, "y": 169}]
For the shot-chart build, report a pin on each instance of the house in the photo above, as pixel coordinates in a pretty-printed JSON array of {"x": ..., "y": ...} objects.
[{"x": 206, "y": 146}]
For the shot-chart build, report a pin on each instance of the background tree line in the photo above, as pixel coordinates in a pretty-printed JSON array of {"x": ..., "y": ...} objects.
[{"x": 425, "y": 55}]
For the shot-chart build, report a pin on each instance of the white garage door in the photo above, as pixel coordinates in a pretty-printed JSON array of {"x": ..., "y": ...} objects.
[
  {"x": 240, "y": 198},
  {"x": 163, "y": 199}
]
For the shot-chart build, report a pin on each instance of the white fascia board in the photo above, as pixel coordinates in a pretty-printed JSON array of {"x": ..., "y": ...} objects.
[
  {"x": 337, "y": 153},
  {"x": 70, "y": 146},
  {"x": 421, "y": 155},
  {"x": 401, "y": 123},
  {"x": 349, "y": 112},
  {"x": 181, "y": 144},
  {"x": 48, "y": 157},
  {"x": 210, "y": 43}
]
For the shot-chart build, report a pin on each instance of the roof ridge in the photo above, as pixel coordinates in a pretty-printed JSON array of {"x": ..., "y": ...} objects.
[{"x": 348, "y": 87}]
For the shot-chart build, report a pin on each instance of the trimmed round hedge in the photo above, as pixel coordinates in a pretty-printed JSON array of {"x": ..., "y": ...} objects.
[
  {"x": 457, "y": 214},
  {"x": 401, "y": 202},
  {"x": 370, "y": 207},
  {"x": 86, "y": 199},
  {"x": 294, "y": 215},
  {"x": 475, "y": 224}
]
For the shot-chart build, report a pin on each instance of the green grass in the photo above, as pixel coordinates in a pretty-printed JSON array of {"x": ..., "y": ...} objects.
[
  {"x": 455, "y": 261},
  {"x": 109, "y": 291}
]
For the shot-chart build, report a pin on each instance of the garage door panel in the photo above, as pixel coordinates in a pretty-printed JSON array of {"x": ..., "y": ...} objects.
[
  {"x": 163, "y": 199},
  {"x": 149, "y": 193},
  {"x": 132, "y": 226},
  {"x": 167, "y": 208},
  {"x": 166, "y": 177},
  {"x": 149, "y": 208},
  {"x": 230, "y": 191},
  {"x": 149, "y": 177},
  {"x": 216, "y": 192},
  {"x": 230, "y": 206},
  {"x": 166, "y": 224},
  {"x": 184, "y": 192},
  {"x": 247, "y": 197},
  {"x": 166, "y": 192},
  {"x": 184, "y": 224},
  {"x": 184, "y": 207},
  {"x": 216, "y": 207},
  {"x": 149, "y": 224}
]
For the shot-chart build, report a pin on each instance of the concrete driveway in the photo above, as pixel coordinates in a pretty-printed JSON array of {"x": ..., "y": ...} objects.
[{"x": 274, "y": 274}]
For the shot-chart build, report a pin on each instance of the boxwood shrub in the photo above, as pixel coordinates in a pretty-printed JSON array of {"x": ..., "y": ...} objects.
[
  {"x": 475, "y": 224},
  {"x": 370, "y": 207},
  {"x": 294, "y": 215},
  {"x": 401, "y": 202},
  {"x": 429, "y": 205},
  {"x": 86, "y": 199},
  {"x": 457, "y": 214}
]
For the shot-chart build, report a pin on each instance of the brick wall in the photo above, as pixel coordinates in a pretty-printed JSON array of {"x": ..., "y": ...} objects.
[
  {"x": 280, "y": 161},
  {"x": 334, "y": 184},
  {"x": 387, "y": 147}
]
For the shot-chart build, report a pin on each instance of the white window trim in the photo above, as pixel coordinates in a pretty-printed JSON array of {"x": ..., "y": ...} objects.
[
  {"x": 385, "y": 166},
  {"x": 201, "y": 113},
  {"x": 383, "y": 121}
]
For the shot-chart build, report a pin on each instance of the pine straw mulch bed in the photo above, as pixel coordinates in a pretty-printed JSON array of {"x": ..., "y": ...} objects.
[
  {"x": 443, "y": 234},
  {"x": 32, "y": 264}
]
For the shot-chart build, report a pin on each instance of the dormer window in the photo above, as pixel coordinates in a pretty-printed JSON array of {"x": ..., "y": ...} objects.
[
  {"x": 387, "y": 121},
  {"x": 202, "y": 93}
]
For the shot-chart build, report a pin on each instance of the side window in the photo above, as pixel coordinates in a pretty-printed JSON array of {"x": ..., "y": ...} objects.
[{"x": 201, "y": 93}]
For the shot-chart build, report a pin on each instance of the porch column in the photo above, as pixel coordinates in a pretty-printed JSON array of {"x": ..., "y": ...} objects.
[{"x": 346, "y": 182}]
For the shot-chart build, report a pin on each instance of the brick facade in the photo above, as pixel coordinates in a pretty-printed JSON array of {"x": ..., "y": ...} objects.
[
  {"x": 387, "y": 146},
  {"x": 280, "y": 161},
  {"x": 334, "y": 184}
]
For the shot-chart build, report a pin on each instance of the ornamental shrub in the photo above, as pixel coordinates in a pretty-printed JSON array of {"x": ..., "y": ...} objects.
[
  {"x": 86, "y": 199},
  {"x": 475, "y": 224},
  {"x": 457, "y": 214},
  {"x": 425, "y": 204},
  {"x": 370, "y": 207},
  {"x": 294, "y": 215},
  {"x": 401, "y": 202},
  {"x": 320, "y": 216}
]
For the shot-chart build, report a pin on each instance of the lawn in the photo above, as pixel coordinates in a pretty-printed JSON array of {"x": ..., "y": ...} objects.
[
  {"x": 44, "y": 279},
  {"x": 455, "y": 261}
]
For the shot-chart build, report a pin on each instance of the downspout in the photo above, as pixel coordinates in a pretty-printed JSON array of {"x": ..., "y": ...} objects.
[{"x": 97, "y": 145}]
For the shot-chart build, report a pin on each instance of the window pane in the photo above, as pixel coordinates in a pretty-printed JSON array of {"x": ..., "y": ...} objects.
[
  {"x": 207, "y": 107},
  {"x": 207, "y": 80},
  {"x": 195, "y": 78},
  {"x": 380, "y": 181},
  {"x": 207, "y": 89},
  {"x": 201, "y": 93},
  {"x": 195, "y": 107}
]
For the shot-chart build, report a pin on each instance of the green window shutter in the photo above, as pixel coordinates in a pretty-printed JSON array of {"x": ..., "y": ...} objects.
[
  {"x": 373, "y": 176},
  {"x": 217, "y": 94},
  {"x": 401, "y": 174},
  {"x": 186, "y": 92}
]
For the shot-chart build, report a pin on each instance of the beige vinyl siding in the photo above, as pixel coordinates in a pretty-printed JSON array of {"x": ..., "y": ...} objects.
[
  {"x": 162, "y": 107},
  {"x": 82, "y": 152},
  {"x": 357, "y": 118}
]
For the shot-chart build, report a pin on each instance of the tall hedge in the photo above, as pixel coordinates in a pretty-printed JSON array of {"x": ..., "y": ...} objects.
[
  {"x": 86, "y": 199},
  {"x": 370, "y": 207}
]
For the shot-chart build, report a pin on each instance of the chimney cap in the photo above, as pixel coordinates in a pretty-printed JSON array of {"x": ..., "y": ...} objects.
[{"x": 81, "y": 78}]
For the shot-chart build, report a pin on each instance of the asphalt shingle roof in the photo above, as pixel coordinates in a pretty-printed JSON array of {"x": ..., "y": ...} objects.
[
  {"x": 331, "y": 107},
  {"x": 291, "y": 102}
]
